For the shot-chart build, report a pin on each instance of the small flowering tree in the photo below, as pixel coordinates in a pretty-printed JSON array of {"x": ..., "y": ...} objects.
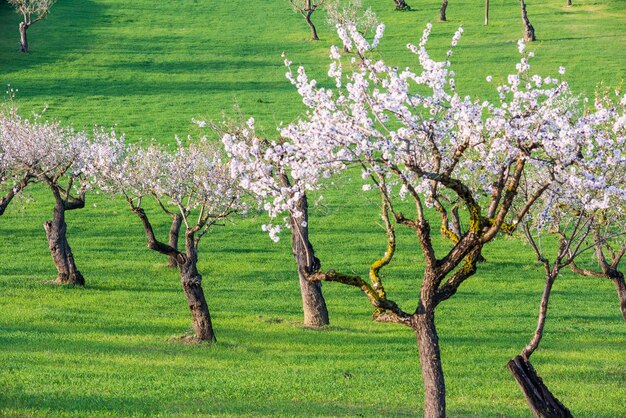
[
  {"x": 45, "y": 152},
  {"x": 191, "y": 182},
  {"x": 32, "y": 11},
  {"x": 412, "y": 131},
  {"x": 279, "y": 174},
  {"x": 605, "y": 133},
  {"x": 340, "y": 14},
  {"x": 306, "y": 8},
  {"x": 579, "y": 210}
]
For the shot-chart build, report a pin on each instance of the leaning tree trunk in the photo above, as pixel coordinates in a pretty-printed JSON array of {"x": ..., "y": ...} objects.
[
  {"x": 313, "y": 303},
  {"x": 529, "y": 30},
  {"x": 192, "y": 285},
  {"x": 430, "y": 360},
  {"x": 177, "y": 221},
  {"x": 542, "y": 402},
  {"x": 23, "y": 38},
  {"x": 620, "y": 286},
  {"x": 309, "y": 22},
  {"x": 442, "y": 11},
  {"x": 56, "y": 232}
]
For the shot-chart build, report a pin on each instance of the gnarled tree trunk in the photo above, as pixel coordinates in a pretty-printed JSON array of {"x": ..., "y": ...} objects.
[
  {"x": 442, "y": 11},
  {"x": 177, "y": 221},
  {"x": 529, "y": 30},
  {"x": 430, "y": 360},
  {"x": 56, "y": 232},
  {"x": 313, "y": 303},
  {"x": 542, "y": 403},
  {"x": 23, "y": 37},
  {"x": 192, "y": 285}
]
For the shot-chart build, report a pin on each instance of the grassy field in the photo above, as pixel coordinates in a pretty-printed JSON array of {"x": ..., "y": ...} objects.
[{"x": 108, "y": 349}]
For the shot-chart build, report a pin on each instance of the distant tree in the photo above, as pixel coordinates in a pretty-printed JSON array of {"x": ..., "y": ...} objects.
[
  {"x": 32, "y": 11},
  {"x": 442, "y": 10},
  {"x": 45, "y": 152},
  {"x": 486, "y": 12},
  {"x": 351, "y": 12},
  {"x": 401, "y": 5},
  {"x": 191, "y": 182},
  {"x": 306, "y": 8},
  {"x": 529, "y": 30}
]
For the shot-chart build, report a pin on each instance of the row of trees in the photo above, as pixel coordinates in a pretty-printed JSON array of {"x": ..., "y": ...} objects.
[
  {"x": 537, "y": 160},
  {"x": 338, "y": 11}
]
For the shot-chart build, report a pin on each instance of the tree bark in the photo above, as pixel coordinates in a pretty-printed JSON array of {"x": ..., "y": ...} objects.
[
  {"x": 529, "y": 30},
  {"x": 307, "y": 17},
  {"x": 569, "y": 2},
  {"x": 430, "y": 360},
  {"x": 177, "y": 221},
  {"x": 401, "y": 5},
  {"x": 313, "y": 302},
  {"x": 442, "y": 11},
  {"x": 23, "y": 38},
  {"x": 56, "y": 232},
  {"x": 192, "y": 286},
  {"x": 542, "y": 403},
  {"x": 620, "y": 286}
]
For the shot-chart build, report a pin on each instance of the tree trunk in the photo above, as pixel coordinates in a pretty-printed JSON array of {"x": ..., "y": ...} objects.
[
  {"x": 529, "y": 30},
  {"x": 313, "y": 303},
  {"x": 542, "y": 403},
  {"x": 56, "y": 232},
  {"x": 442, "y": 11},
  {"x": 486, "y": 12},
  {"x": 401, "y": 5},
  {"x": 192, "y": 285},
  {"x": 620, "y": 286},
  {"x": 23, "y": 38},
  {"x": 177, "y": 221},
  {"x": 307, "y": 17},
  {"x": 432, "y": 371},
  {"x": 569, "y": 2}
]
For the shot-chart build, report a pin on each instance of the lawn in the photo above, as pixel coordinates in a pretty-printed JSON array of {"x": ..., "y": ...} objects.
[{"x": 147, "y": 68}]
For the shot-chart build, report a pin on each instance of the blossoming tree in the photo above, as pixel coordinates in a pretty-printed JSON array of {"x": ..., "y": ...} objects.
[
  {"x": 605, "y": 133},
  {"x": 191, "y": 182},
  {"x": 46, "y": 152},
  {"x": 440, "y": 149},
  {"x": 32, "y": 11},
  {"x": 306, "y": 8},
  {"x": 279, "y": 174},
  {"x": 579, "y": 210},
  {"x": 14, "y": 177}
]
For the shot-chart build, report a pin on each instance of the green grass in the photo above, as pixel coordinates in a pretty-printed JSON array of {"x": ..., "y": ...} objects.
[{"x": 148, "y": 68}]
